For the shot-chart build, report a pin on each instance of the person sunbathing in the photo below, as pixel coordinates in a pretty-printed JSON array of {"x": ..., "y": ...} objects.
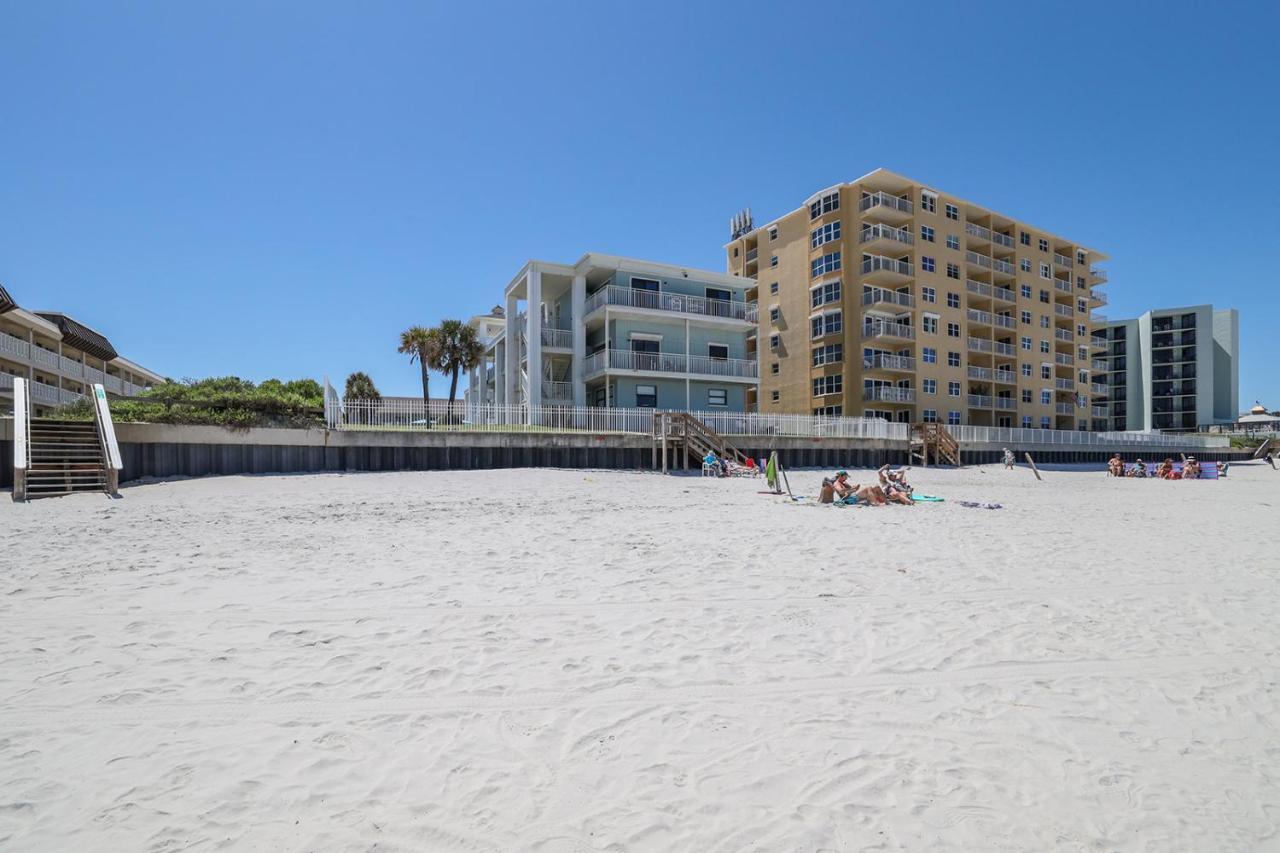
[
  {"x": 870, "y": 494},
  {"x": 1165, "y": 471},
  {"x": 1191, "y": 469},
  {"x": 894, "y": 485},
  {"x": 1138, "y": 470},
  {"x": 1115, "y": 466}
]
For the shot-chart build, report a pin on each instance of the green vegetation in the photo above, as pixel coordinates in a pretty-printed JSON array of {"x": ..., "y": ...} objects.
[
  {"x": 360, "y": 387},
  {"x": 423, "y": 346},
  {"x": 223, "y": 401},
  {"x": 460, "y": 349}
]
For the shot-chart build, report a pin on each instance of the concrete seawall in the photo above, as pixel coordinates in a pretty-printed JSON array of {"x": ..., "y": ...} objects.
[{"x": 163, "y": 450}]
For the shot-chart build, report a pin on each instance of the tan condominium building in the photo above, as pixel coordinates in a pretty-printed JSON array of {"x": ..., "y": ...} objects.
[{"x": 885, "y": 297}]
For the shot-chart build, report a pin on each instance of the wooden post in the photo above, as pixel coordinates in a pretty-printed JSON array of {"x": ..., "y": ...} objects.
[{"x": 1032, "y": 463}]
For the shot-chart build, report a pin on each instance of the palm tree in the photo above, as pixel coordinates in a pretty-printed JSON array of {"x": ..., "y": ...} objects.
[
  {"x": 423, "y": 346},
  {"x": 460, "y": 349},
  {"x": 360, "y": 387}
]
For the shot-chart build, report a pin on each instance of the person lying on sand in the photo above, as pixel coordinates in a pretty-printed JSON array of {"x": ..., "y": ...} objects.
[
  {"x": 1115, "y": 466},
  {"x": 894, "y": 484}
]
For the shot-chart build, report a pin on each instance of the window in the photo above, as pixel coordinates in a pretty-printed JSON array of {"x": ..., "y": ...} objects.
[
  {"x": 719, "y": 352},
  {"x": 930, "y": 386},
  {"x": 930, "y": 416},
  {"x": 1082, "y": 377},
  {"x": 1044, "y": 346},
  {"x": 1044, "y": 245},
  {"x": 773, "y": 232},
  {"x": 717, "y": 397},
  {"x": 823, "y": 385},
  {"x": 929, "y": 355},
  {"x": 1045, "y": 271},
  {"x": 775, "y": 396},
  {"x": 953, "y": 300},
  {"x": 1025, "y": 264},
  {"x": 735, "y": 251},
  {"x": 953, "y": 418},
  {"x": 1081, "y": 331},
  {"x": 1025, "y": 316},
  {"x": 953, "y": 212},
  {"x": 828, "y": 411},
  {"x": 773, "y": 288},
  {"x": 953, "y": 389},
  {"x": 1080, "y": 258},
  {"x": 1046, "y": 397},
  {"x": 1026, "y": 421},
  {"x": 646, "y": 396},
  {"x": 830, "y": 354},
  {"x": 1026, "y": 395},
  {"x": 953, "y": 271},
  {"x": 1026, "y": 369},
  {"x": 826, "y": 204},
  {"x": 926, "y": 233},
  {"x": 775, "y": 341},
  {"x": 953, "y": 241},
  {"x": 953, "y": 330},
  {"x": 1081, "y": 306},
  {"x": 929, "y": 202},
  {"x": 824, "y": 234},
  {"x": 1025, "y": 290},
  {"x": 774, "y": 368},
  {"x": 1044, "y": 321},
  {"x": 1044, "y": 422},
  {"x": 773, "y": 260},
  {"x": 1046, "y": 372},
  {"x": 1024, "y": 238},
  {"x": 927, "y": 264},
  {"x": 928, "y": 294},
  {"x": 1026, "y": 342},
  {"x": 1044, "y": 297},
  {"x": 953, "y": 359},
  {"x": 929, "y": 324},
  {"x": 824, "y": 264},
  {"x": 775, "y": 314},
  {"x": 830, "y": 323},
  {"x": 821, "y": 294}
]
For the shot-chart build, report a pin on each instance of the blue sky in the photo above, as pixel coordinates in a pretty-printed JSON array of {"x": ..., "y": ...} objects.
[{"x": 277, "y": 189}]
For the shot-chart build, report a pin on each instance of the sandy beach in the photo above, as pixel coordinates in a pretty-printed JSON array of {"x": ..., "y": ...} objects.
[{"x": 600, "y": 661}]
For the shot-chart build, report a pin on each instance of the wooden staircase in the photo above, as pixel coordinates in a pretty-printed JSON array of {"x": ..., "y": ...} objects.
[
  {"x": 66, "y": 457},
  {"x": 683, "y": 429},
  {"x": 1268, "y": 445},
  {"x": 932, "y": 441}
]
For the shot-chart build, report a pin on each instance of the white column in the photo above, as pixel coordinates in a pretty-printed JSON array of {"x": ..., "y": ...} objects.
[
  {"x": 533, "y": 293},
  {"x": 688, "y": 366},
  {"x": 511, "y": 368},
  {"x": 500, "y": 373},
  {"x": 579, "y": 326}
]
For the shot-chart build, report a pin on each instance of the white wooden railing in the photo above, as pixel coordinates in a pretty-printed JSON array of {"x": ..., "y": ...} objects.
[
  {"x": 678, "y": 303},
  {"x": 669, "y": 362}
]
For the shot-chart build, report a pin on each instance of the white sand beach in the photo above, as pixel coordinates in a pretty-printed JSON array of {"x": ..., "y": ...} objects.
[{"x": 598, "y": 661}]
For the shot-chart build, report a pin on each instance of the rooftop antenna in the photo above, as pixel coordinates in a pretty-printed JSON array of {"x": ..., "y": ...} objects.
[{"x": 741, "y": 223}]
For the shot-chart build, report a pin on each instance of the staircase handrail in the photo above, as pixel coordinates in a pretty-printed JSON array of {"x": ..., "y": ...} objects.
[
  {"x": 21, "y": 436},
  {"x": 111, "y": 460}
]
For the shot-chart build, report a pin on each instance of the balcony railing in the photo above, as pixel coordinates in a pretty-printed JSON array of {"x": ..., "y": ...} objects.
[
  {"x": 557, "y": 338},
  {"x": 980, "y": 260},
  {"x": 1065, "y": 335},
  {"x": 752, "y": 254},
  {"x": 1099, "y": 274},
  {"x": 1064, "y": 384},
  {"x": 876, "y": 263},
  {"x": 558, "y": 391},
  {"x": 886, "y": 329},
  {"x": 981, "y": 345},
  {"x": 883, "y": 361},
  {"x": 1099, "y": 411},
  {"x": 1065, "y": 408},
  {"x": 879, "y": 295},
  {"x": 677, "y": 303},
  {"x": 983, "y": 374},
  {"x": 1100, "y": 365},
  {"x": 669, "y": 362},
  {"x": 887, "y": 394},
  {"x": 1062, "y": 286},
  {"x": 1004, "y": 349},
  {"x": 1098, "y": 388},
  {"x": 1007, "y": 377},
  {"x": 1064, "y": 359},
  {"x": 1098, "y": 297},
  {"x": 1006, "y": 403},
  {"x": 887, "y": 232},
  {"x": 1002, "y": 266},
  {"x": 1062, "y": 261},
  {"x": 883, "y": 199},
  {"x": 1063, "y": 310},
  {"x": 980, "y": 401}
]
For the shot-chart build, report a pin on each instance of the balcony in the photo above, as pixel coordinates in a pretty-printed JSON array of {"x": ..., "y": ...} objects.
[
  {"x": 670, "y": 363},
  {"x": 1099, "y": 388},
  {"x": 884, "y": 361},
  {"x": 1064, "y": 385},
  {"x": 1064, "y": 336},
  {"x": 1099, "y": 275},
  {"x": 1100, "y": 365},
  {"x": 981, "y": 374},
  {"x": 987, "y": 234},
  {"x": 980, "y": 401},
  {"x": 1065, "y": 408},
  {"x": 1099, "y": 298},
  {"x": 1064, "y": 310},
  {"x": 881, "y": 205},
  {"x": 557, "y": 339},
  {"x": 1004, "y": 349},
  {"x": 981, "y": 345},
  {"x": 1006, "y": 404},
  {"x": 880, "y": 236},
  {"x": 1064, "y": 359},
  {"x": 1004, "y": 267},
  {"x": 880, "y": 296},
  {"x": 1098, "y": 343},
  {"x": 1063, "y": 261},
  {"x": 1098, "y": 411},
  {"x": 675, "y": 303},
  {"x": 882, "y": 270},
  {"x": 872, "y": 329},
  {"x": 978, "y": 260},
  {"x": 557, "y": 392},
  {"x": 752, "y": 254},
  {"x": 888, "y": 394},
  {"x": 1006, "y": 377},
  {"x": 1063, "y": 286}
]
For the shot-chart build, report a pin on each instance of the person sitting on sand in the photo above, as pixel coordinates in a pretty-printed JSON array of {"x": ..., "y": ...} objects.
[
  {"x": 1165, "y": 470},
  {"x": 894, "y": 484},
  {"x": 841, "y": 486},
  {"x": 1008, "y": 459},
  {"x": 1191, "y": 469},
  {"x": 1138, "y": 470},
  {"x": 713, "y": 462},
  {"x": 1115, "y": 466}
]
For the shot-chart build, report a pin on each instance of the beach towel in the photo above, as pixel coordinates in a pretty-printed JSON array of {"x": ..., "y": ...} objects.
[
  {"x": 931, "y": 499},
  {"x": 978, "y": 505}
]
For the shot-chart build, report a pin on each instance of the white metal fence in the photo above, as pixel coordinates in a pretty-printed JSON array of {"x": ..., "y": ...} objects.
[{"x": 1099, "y": 440}]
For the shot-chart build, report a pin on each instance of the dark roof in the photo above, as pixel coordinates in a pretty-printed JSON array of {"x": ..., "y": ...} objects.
[
  {"x": 6, "y": 301},
  {"x": 81, "y": 337}
]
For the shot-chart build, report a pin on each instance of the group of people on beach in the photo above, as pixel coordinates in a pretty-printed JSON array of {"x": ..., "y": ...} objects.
[
  {"x": 892, "y": 487},
  {"x": 1166, "y": 470}
]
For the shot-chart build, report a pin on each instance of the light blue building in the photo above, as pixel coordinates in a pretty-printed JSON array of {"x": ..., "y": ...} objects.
[{"x": 621, "y": 333}]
